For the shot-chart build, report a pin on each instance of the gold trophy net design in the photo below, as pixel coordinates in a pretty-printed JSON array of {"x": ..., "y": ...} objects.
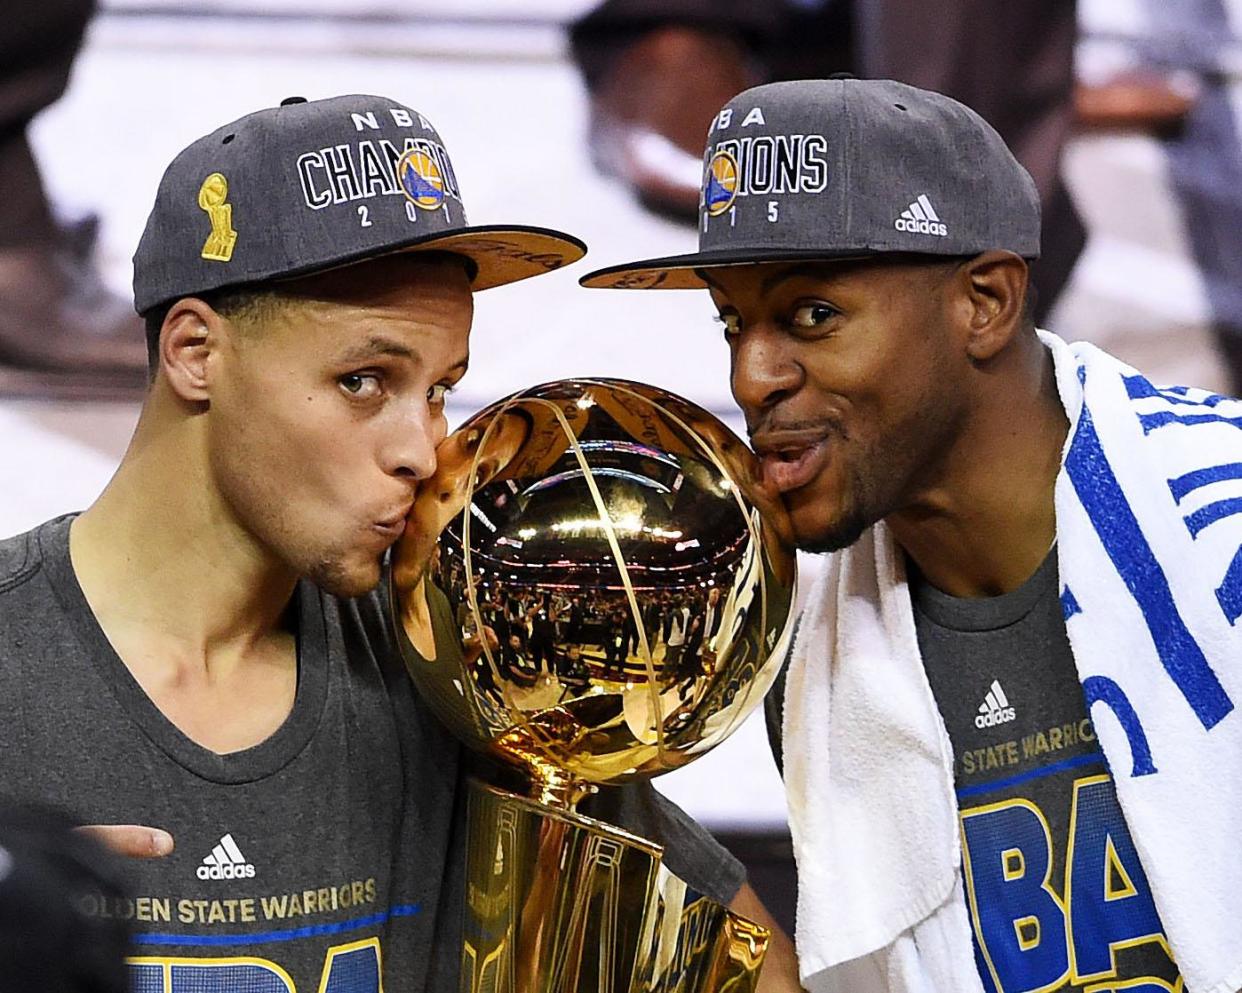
[{"x": 592, "y": 589}]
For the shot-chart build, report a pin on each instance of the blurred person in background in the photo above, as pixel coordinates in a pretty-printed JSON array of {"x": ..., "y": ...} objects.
[
  {"x": 678, "y": 625},
  {"x": 658, "y": 71},
  {"x": 62, "y": 332},
  {"x": 704, "y": 626},
  {"x": 1195, "y": 38}
]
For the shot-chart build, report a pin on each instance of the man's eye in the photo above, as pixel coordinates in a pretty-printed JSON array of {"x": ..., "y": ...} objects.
[
  {"x": 812, "y": 315},
  {"x": 437, "y": 394},
  {"x": 361, "y": 385}
]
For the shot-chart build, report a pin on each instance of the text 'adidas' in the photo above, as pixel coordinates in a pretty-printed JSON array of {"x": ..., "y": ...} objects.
[
  {"x": 225, "y": 862},
  {"x": 995, "y": 708},
  {"x": 921, "y": 218}
]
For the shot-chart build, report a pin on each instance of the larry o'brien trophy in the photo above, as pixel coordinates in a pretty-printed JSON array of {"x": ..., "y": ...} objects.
[{"x": 592, "y": 588}]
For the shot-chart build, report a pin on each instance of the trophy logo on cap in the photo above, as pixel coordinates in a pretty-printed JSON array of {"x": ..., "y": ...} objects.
[{"x": 213, "y": 198}]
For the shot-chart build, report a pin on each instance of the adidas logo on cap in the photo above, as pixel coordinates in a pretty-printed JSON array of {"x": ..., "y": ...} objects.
[
  {"x": 995, "y": 708},
  {"x": 921, "y": 218},
  {"x": 225, "y": 862}
]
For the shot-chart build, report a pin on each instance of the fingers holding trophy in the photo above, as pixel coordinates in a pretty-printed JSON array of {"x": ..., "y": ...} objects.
[{"x": 592, "y": 588}]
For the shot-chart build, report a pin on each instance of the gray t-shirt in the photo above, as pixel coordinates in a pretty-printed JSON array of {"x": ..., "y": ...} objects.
[
  {"x": 328, "y": 854},
  {"x": 1054, "y": 886}
]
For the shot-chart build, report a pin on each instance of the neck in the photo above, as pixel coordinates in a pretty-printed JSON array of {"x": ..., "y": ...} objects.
[
  {"x": 986, "y": 522},
  {"x": 160, "y": 553}
]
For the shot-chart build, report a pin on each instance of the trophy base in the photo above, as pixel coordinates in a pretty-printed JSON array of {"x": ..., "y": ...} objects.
[{"x": 559, "y": 903}]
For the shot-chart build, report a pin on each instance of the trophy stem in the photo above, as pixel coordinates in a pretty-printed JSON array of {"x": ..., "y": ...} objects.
[
  {"x": 561, "y": 903},
  {"x": 527, "y": 747},
  {"x": 553, "y": 787}
]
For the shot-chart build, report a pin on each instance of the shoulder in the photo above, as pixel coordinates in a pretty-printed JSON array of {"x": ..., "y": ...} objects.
[
  {"x": 363, "y": 623},
  {"x": 19, "y": 560},
  {"x": 690, "y": 851},
  {"x": 365, "y": 627},
  {"x": 375, "y": 665},
  {"x": 371, "y": 615},
  {"x": 39, "y": 647},
  {"x": 774, "y": 701},
  {"x": 23, "y": 556}
]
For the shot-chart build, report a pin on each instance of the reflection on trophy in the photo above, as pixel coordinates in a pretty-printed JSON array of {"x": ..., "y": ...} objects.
[{"x": 592, "y": 588}]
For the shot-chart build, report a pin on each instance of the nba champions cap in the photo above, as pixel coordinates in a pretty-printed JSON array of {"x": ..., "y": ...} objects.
[
  {"x": 846, "y": 168},
  {"x": 309, "y": 186}
]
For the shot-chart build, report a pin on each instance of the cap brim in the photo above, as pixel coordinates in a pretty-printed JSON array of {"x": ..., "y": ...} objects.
[
  {"x": 681, "y": 272},
  {"x": 505, "y": 253},
  {"x": 501, "y": 253}
]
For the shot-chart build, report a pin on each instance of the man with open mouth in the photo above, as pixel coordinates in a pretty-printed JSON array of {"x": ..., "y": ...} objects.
[{"x": 1007, "y": 723}]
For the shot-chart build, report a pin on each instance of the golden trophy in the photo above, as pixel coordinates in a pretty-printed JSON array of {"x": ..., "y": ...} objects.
[{"x": 592, "y": 588}]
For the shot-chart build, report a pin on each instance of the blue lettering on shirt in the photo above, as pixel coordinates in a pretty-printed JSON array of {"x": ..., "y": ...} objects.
[
  {"x": 355, "y": 967},
  {"x": 1029, "y": 937}
]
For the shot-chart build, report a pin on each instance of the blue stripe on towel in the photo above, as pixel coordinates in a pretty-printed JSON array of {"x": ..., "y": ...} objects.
[
  {"x": 1123, "y": 539},
  {"x": 1229, "y": 592},
  {"x": 1162, "y": 418},
  {"x": 1191, "y": 481},
  {"x": 1101, "y": 689},
  {"x": 1212, "y": 513},
  {"x": 1140, "y": 388}
]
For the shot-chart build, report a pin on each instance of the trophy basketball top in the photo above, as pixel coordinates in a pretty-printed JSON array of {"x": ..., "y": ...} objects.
[{"x": 592, "y": 585}]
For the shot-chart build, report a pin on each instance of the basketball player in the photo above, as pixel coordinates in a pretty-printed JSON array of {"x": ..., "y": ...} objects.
[
  {"x": 1009, "y": 735},
  {"x": 199, "y": 662}
]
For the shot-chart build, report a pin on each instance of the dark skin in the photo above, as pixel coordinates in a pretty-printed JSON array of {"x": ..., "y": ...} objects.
[{"x": 906, "y": 389}]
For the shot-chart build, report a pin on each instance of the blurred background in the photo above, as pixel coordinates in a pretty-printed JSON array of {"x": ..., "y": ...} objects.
[{"x": 589, "y": 116}]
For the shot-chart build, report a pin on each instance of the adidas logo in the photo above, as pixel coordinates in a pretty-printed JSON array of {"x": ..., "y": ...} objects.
[
  {"x": 226, "y": 862},
  {"x": 995, "y": 708},
  {"x": 921, "y": 218}
]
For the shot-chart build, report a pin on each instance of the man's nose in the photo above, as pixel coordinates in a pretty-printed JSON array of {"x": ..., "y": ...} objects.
[
  {"x": 763, "y": 371},
  {"x": 413, "y": 451}
]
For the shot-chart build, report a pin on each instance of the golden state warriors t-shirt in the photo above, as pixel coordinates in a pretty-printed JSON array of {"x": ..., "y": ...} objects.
[
  {"x": 1055, "y": 890},
  {"x": 329, "y": 858}
]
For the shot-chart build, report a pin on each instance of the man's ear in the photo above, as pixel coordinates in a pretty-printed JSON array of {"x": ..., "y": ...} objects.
[
  {"x": 190, "y": 333},
  {"x": 995, "y": 289}
]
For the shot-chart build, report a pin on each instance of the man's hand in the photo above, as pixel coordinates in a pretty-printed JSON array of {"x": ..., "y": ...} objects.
[
  {"x": 780, "y": 964},
  {"x": 132, "y": 840}
]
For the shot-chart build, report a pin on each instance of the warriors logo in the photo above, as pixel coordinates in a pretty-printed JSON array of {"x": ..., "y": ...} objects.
[
  {"x": 722, "y": 179},
  {"x": 764, "y": 165},
  {"x": 421, "y": 179}
]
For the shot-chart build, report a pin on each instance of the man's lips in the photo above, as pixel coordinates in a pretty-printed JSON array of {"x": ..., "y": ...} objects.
[
  {"x": 392, "y": 526},
  {"x": 790, "y": 460}
]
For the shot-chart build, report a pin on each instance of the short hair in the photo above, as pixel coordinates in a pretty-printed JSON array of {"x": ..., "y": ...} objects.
[
  {"x": 249, "y": 303},
  {"x": 239, "y": 303}
]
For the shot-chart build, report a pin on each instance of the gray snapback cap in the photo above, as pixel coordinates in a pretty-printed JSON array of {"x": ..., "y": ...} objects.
[
  {"x": 313, "y": 185},
  {"x": 846, "y": 168}
]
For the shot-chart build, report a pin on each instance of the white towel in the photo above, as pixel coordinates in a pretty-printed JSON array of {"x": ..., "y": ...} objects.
[{"x": 1149, "y": 536}]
